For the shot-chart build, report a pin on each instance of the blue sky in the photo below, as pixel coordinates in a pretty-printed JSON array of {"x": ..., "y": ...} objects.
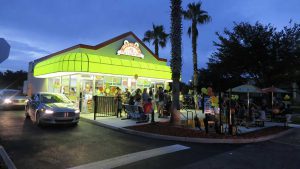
[{"x": 35, "y": 28}]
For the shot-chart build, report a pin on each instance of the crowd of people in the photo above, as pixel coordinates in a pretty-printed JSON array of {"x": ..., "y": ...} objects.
[
  {"x": 240, "y": 111},
  {"x": 159, "y": 101},
  {"x": 235, "y": 111}
]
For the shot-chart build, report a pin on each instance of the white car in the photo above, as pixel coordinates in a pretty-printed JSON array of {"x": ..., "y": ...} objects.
[
  {"x": 51, "y": 108},
  {"x": 10, "y": 98}
]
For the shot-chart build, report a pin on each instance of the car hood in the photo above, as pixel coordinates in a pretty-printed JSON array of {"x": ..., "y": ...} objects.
[
  {"x": 14, "y": 97},
  {"x": 61, "y": 107}
]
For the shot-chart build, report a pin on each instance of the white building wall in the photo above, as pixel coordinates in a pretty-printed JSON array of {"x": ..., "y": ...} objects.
[{"x": 35, "y": 85}]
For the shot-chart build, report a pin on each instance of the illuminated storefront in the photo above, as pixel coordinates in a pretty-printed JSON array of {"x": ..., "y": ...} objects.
[{"x": 124, "y": 62}]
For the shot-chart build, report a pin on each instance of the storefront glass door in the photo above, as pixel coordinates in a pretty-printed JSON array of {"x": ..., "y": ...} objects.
[{"x": 87, "y": 94}]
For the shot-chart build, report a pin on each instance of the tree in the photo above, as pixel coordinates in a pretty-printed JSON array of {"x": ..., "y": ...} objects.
[
  {"x": 157, "y": 35},
  {"x": 176, "y": 60},
  {"x": 195, "y": 14},
  {"x": 254, "y": 52},
  {"x": 12, "y": 80}
]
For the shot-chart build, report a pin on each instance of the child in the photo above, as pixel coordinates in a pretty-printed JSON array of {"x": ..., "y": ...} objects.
[{"x": 148, "y": 108}]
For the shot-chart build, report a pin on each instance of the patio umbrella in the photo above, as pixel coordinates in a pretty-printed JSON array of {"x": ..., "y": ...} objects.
[
  {"x": 273, "y": 90},
  {"x": 246, "y": 88}
]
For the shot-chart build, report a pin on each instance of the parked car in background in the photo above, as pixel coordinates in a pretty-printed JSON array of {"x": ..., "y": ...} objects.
[
  {"x": 10, "y": 98},
  {"x": 51, "y": 108}
]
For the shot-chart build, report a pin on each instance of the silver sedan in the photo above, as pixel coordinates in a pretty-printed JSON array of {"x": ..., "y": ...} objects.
[
  {"x": 51, "y": 108},
  {"x": 10, "y": 98}
]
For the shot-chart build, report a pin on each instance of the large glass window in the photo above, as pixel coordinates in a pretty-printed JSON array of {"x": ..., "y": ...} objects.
[
  {"x": 143, "y": 83},
  {"x": 65, "y": 85},
  {"x": 54, "y": 84},
  {"x": 124, "y": 83},
  {"x": 133, "y": 84},
  {"x": 73, "y": 94},
  {"x": 111, "y": 83},
  {"x": 87, "y": 93},
  {"x": 99, "y": 86}
]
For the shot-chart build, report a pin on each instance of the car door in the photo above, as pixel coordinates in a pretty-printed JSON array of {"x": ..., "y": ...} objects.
[{"x": 29, "y": 105}]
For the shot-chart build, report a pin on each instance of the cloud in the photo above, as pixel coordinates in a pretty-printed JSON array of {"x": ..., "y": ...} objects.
[
  {"x": 17, "y": 65},
  {"x": 23, "y": 51}
]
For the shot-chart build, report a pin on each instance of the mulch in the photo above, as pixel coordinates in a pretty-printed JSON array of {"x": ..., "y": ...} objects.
[{"x": 179, "y": 131}]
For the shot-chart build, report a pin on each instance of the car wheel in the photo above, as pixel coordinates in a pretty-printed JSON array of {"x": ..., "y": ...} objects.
[{"x": 74, "y": 124}]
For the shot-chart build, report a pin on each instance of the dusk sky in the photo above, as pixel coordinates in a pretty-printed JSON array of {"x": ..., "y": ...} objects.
[{"x": 35, "y": 28}]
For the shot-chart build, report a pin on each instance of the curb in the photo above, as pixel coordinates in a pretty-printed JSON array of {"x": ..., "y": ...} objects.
[
  {"x": 9, "y": 164},
  {"x": 192, "y": 140}
]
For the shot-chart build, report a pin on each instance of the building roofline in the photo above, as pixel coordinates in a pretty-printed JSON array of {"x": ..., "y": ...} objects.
[{"x": 101, "y": 45}]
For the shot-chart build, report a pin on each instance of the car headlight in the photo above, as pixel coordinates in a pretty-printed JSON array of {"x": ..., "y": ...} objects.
[
  {"x": 7, "y": 101},
  {"x": 77, "y": 111},
  {"x": 49, "y": 111}
]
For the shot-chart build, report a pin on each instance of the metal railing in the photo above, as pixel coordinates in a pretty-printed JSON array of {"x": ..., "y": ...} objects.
[
  {"x": 188, "y": 112},
  {"x": 104, "y": 106}
]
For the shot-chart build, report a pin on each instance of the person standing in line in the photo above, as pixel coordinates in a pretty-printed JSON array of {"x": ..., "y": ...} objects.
[
  {"x": 138, "y": 98},
  {"x": 156, "y": 100},
  {"x": 148, "y": 109},
  {"x": 151, "y": 94},
  {"x": 127, "y": 95},
  {"x": 145, "y": 96},
  {"x": 160, "y": 102},
  {"x": 167, "y": 103},
  {"x": 118, "y": 100}
]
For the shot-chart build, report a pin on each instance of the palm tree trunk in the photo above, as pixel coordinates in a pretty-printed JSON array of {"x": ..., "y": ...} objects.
[
  {"x": 156, "y": 48},
  {"x": 176, "y": 60},
  {"x": 194, "y": 50}
]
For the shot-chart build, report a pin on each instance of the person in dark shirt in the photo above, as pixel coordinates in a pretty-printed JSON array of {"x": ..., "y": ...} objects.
[
  {"x": 131, "y": 100},
  {"x": 138, "y": 98},
  {"x": 118, "y": 100},
  {"x": 160, "y": 102}
]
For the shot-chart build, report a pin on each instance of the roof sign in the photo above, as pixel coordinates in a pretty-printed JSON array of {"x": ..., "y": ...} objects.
[{"x": 131, "y": 49}]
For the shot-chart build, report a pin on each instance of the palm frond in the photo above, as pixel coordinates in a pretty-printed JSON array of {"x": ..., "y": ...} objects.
[{"x": 157, "y": 36}]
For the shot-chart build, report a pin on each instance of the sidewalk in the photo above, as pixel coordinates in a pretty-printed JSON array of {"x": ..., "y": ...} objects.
[
  {"x": 120, "y": 122},
  {"x": 115, "y": 122}
]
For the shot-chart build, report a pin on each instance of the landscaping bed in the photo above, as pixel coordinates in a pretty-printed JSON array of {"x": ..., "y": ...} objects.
[{"x": 167, "y": 129}]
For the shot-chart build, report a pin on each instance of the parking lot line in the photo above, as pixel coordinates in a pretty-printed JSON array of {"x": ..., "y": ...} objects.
[
  {"x": 133, "y": 157},
  {"x": 9, "y": 164}
]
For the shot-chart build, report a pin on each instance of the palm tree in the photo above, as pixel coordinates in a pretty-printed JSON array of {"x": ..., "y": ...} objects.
[
  {"x": 176, "y": 60},
  {"x": 157, "y": 35},
  {"x": 197, "y": 16}
]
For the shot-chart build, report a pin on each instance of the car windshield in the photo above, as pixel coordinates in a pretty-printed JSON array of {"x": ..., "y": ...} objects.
[{"x": 54, "y": 98}]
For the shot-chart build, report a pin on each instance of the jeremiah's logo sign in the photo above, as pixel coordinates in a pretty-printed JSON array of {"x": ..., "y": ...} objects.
[{"x": 131, "y": 49}]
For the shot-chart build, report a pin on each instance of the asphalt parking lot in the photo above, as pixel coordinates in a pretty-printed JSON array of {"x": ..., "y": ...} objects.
[{"x": 57, "y": 147}]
